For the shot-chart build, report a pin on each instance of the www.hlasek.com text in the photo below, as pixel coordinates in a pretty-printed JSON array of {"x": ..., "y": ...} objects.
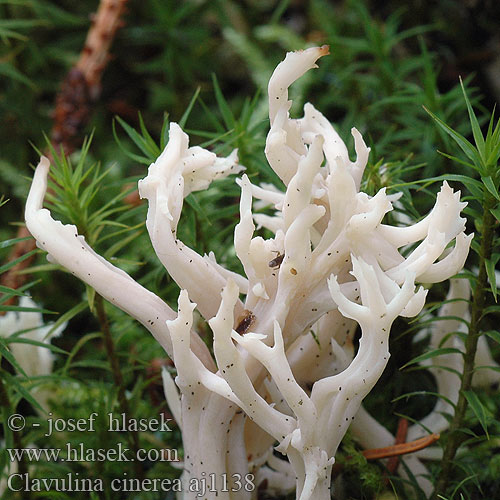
[{"x": 78, "y": 453}]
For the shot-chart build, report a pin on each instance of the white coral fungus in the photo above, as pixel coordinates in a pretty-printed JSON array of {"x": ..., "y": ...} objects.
[
  {"x": 332, "y": 263},
  {"x": 35, "y": 360}
]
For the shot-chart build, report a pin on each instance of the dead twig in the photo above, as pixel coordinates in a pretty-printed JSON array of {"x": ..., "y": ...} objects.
[
  {"x": 82, "y": 85},
  {"x": 400, "y": 449},
  {"x": 402, "y": 431},
  {"x": 394, "y": 450}
]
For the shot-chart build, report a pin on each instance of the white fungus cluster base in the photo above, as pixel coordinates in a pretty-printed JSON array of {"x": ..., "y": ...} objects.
[{"x": 285, "y": 376}]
